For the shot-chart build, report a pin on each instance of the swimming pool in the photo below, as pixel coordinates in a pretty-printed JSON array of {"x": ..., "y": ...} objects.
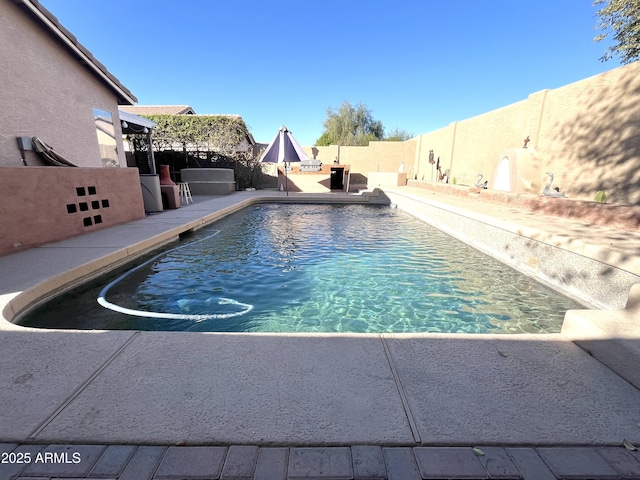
[{"x": 313, "y": 268}]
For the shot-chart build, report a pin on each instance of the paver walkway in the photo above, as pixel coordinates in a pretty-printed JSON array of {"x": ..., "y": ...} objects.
[{"x": 235, "y": 462}]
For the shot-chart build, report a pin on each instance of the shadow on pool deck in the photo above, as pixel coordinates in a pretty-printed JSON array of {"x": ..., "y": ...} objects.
[{"x": 286, "y": 389}]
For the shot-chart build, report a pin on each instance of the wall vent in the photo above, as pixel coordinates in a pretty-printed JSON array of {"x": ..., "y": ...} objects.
[{"x": 84, "y": 206}]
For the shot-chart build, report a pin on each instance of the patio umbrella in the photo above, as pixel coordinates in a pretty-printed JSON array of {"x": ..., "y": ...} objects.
[{"x": 284, "y": 149}]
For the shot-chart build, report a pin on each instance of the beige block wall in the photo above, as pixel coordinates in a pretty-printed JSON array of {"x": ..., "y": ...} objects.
[
  {"x": 479, "y": 140},
  {"x": 475, "y": 145},
  {"x": 325, "y": 154},
  {"x": 376, "y": 157},
  {"x": 441, "y": 142},
  {"x": 586, "y": 133},
  {"x": 36, "y": 202},
  {"x": 48, "y": 93},
  {"x": 590, "y": 135},
  {"x": 386, "y": 179}
]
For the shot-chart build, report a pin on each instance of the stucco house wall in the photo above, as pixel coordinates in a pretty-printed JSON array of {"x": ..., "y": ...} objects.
[
  {"x": 48, "y": 93},
  {"x": 50, "y": 86},
  {"x": 54, "y": 203}
]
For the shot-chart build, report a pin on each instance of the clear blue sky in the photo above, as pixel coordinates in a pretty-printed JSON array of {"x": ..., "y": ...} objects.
[{"x": 418, "y": 65}]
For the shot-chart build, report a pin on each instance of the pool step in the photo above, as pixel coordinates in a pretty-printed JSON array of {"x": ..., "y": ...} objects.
[{"x": 611, "y": 336}]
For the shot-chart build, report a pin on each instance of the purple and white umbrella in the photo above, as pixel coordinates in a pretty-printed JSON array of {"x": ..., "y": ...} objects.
[{"x": 284, "y": 149}]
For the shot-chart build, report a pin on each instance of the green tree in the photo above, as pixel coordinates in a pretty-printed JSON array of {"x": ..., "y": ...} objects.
[
  {"x": 398, "y": 135},
  {"x": 621, "y": 20},
  {"x": 324, "y": 140},
  {"x": 350, "y": 125}
]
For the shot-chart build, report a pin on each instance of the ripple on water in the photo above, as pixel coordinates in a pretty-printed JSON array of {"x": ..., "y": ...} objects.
[{"x": 322, "y": 268}]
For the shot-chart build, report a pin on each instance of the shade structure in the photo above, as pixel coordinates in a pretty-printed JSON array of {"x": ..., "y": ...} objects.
[{"x": 284, "y": 148}]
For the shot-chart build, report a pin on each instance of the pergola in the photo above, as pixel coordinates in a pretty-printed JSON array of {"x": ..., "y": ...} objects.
[{"x": 131, "y": 124}]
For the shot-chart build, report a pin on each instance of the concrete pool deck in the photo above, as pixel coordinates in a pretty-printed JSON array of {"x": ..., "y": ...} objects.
[{"x": 400, "y": 391}]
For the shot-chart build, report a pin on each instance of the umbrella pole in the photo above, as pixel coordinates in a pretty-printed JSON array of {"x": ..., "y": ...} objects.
[{"x": 286, "y": 179}]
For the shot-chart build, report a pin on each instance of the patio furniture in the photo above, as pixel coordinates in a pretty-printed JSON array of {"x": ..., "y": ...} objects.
[
  {"x": 209, "y": 181},
  {"x": 185, "y": 192}
]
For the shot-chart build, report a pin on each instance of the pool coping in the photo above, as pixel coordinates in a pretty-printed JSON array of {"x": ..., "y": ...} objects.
[{"x": 117, "y": 345}]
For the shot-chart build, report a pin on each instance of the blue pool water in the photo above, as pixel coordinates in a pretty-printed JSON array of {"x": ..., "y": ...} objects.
[{"x": 313, "y": 268}]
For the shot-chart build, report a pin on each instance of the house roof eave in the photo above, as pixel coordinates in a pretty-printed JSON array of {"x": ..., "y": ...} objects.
[
  {"x": 125, "y": 97},
  {"x": 130, "y": 118}
]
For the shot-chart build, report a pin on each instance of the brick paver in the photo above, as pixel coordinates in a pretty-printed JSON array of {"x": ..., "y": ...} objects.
[
  {"x": 320, "y": 463},
  {"x": 623, "y": 460},
  {"x": 272, "y": 464},
  {"x": 65, "y": 461},
  {"x": 112, "y": 461},
  {"x": 240, "y": 463},
  {"x": 401, "y": 463},
  {"x": 7, "y": 447},
  {"x": 10, "y": 467},
  {"x": 498, "y": 464},
  {"x": 368, "y": 462},
  {"x": 577, "y": 462},
  {"x": 454, "y": 462},
  {"x": 529, "y": 464},
  {"x": 359, "y": 462},
  {"x": 143, "y": 463},
  {"x": 191, "y": 462}
]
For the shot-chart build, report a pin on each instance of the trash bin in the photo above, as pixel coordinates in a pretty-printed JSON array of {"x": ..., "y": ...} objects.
[{"x": 151, "y": 193}]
